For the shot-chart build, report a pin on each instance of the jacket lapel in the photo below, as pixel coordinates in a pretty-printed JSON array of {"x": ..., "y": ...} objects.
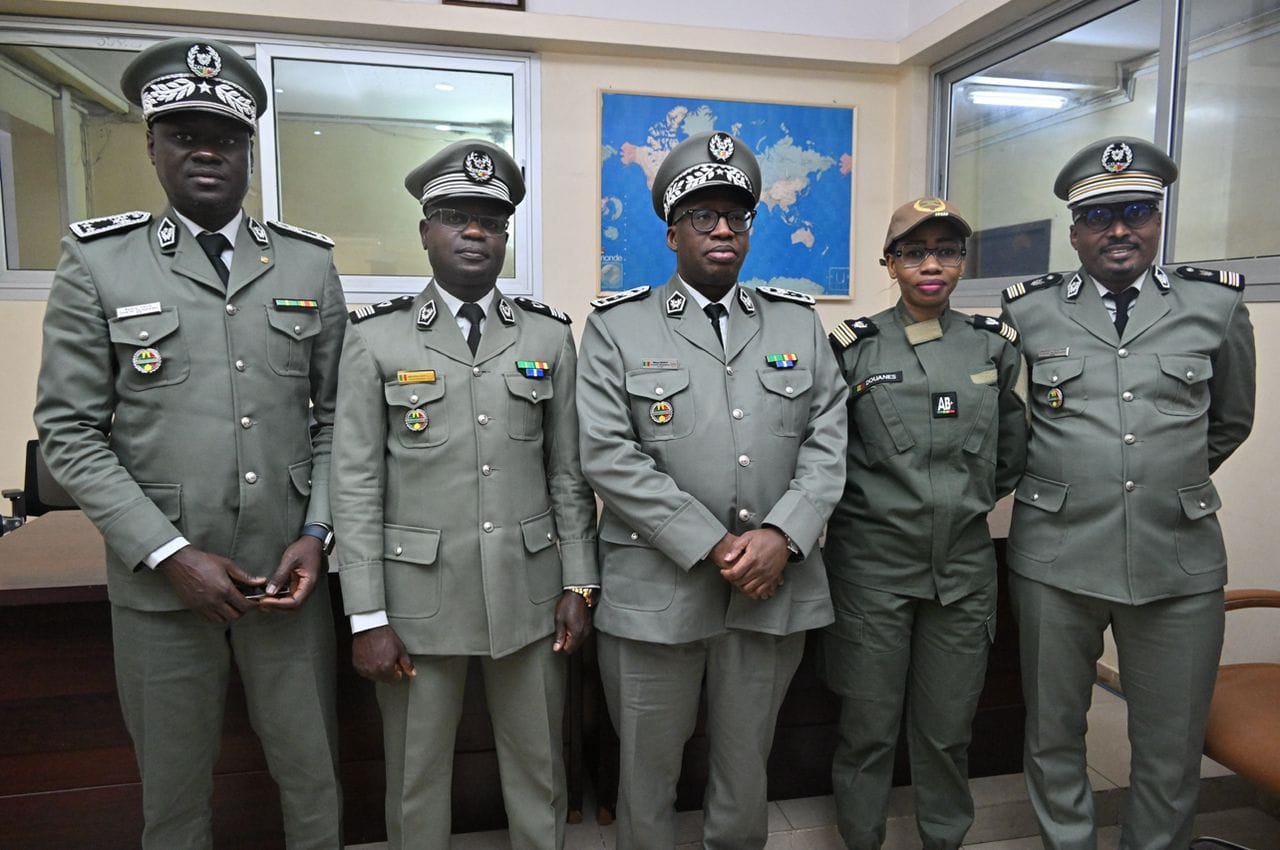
[
  {"x": 441, "y": 333},
  {"x": 691, "y": 323},
  {"x": 744, "y": 323},
  {"x": 498, "y": 335},
  {"x": 1150, "y": 308},
  {"x": 1088, "y": 311},
  {"x": 251, "y": 259}
]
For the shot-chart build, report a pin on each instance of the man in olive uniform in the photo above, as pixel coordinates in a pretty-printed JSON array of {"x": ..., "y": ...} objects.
[
  {"x": 713, "y": 427},
  {"x": 1141, "y": 385},
  {"x": 186, "y": 401},
  {"x": 467, "y": 524}
]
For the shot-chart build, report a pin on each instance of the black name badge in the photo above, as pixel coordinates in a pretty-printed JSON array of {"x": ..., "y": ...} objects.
[{"x": 945, "y": 405}]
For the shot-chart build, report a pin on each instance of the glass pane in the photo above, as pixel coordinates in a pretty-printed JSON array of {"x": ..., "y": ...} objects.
[
  {"x": 1232, "y": 111},
  {"x": 1015, "y": 124},
  {"x": 347, "y": 135}
]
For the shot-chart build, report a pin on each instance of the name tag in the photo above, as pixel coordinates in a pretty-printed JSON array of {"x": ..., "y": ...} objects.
[
  {"x": 420, "y": 376},
  {"x": 138, "y": 310}
]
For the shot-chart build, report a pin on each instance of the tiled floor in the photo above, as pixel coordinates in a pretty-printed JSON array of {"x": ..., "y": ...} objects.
[{"x": 1004, "y": 819}]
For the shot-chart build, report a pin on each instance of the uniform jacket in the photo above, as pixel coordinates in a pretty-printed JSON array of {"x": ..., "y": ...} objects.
[
  {"x": 453, "y": 529},
  {"x": 936, "y": 435},
  {"x": 745, "y": 445},
  {"x": 215, "y": 444},
  {"x": 1117, "y": 501}
]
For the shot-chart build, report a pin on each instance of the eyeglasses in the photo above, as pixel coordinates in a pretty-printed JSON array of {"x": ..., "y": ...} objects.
[
  {"x": 458, "y": 220},
  {"x": 1100, "y": 218},
  {"x": 705, "y": 221},
  {"x": 948, "y": 254}
]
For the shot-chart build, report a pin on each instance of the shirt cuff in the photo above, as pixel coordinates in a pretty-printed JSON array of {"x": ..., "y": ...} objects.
[
  {"x": 369, "y": 620},
  {"x": 157, "y": 557}
]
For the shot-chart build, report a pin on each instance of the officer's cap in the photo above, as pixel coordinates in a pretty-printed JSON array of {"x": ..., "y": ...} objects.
[
  {"x": 1116, "y": 169},
  {"x": 703, "y": 161},
  {"x": 190, "y": 73},
  {"x": 912, "y": 214},
  {"x": 471, "y": 168}
]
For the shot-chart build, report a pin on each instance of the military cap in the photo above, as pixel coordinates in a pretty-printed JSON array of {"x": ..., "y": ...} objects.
[
  {"x": 912, "y": 214},
  {"x": 471, "y": 168},
  {"x": 703, "y": 161},
  {"x": 191, "y": 73},
  {"x": 1115, "y": 169}
]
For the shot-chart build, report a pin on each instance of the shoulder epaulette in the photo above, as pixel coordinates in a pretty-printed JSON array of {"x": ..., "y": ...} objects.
[
  {"x": 382, "y": 308},
  {"x": 777, "y": 293},
  {"x": 545, "y": 309},
  {"x": 1013, "y": 293},
  {"x": 637, "y": 294},
  {"x": 301, "y": 233},
  {"x": 991, "y": 323},
  {"x": 1231, "y": 280},
  {"x": 849, "y": 331},
  {"x": 92, "y": 228}
]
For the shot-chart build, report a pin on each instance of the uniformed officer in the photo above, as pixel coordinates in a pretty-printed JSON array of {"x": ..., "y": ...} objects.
[
  {"x": 186, "y": 402},
  {"x": 1141, "y": 385},
  {"x": 936, "y": 435},
  {"x": 467, "y": 525},
  {"x": 713, "y": 427}
]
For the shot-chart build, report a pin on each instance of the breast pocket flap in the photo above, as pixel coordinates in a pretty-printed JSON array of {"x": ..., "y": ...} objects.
[
  {"x": 787, "y": 383},
  {"x": 533, "y": 390},
  {"x": 143, "y": 331},
  {"x": 413, "y": 395},
  {"x": 1186, "y": 368},
  {"x": 1052, "y": 373},
  {"x": 539, "y": 532},
  {"x": 1041, "y": 493},
  {"x": 409, "y": 544},
  {"x": 298, "y": 324},
  {"x": 657, "y": 385},
  {"x": 1200, "y": 500}
]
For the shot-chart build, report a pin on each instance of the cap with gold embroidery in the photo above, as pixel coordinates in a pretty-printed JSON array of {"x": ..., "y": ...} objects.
[
  {"x": 194, "y": 73},
  {"x": 1113, "y": 170},
  {"x": 703, "y": 161},
  {"x": 912, "y": 214},
  {"x": 471, "y": 168}
]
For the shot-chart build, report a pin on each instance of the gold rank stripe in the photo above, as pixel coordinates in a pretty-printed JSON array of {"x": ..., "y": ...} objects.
[
  {"x": 844, "y": 335},
  {"x": 421, "y": 376},
  {"x": 1008, "y": 332},
  {"x": 1231, "y": 279},
  {"x": 1016, "y": 291}
]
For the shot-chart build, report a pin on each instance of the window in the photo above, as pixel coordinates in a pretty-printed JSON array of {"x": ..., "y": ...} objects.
[
  {"x": 1192, "y": 75},
  {"x": 343, "y": 127}
]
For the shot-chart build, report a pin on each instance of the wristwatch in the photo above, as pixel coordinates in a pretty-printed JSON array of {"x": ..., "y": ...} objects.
[
  {"x": 588, "y": 594},
  {"x": 320, "y": 532}
]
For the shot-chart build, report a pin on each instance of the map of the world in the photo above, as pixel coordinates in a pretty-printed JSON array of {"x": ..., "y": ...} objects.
[{"x": 800, "y": 239}]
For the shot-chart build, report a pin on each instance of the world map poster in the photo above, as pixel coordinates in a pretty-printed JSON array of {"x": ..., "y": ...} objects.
[{"x": 800, "y": 239}]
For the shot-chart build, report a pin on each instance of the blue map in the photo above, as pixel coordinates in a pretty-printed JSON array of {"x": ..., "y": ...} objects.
[{"x": 800, "y": 239}]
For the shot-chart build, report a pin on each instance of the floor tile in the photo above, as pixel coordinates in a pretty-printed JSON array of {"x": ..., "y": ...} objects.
[
  {"x": 992, "y": 790},
  {"x": 809, "y": 812}
]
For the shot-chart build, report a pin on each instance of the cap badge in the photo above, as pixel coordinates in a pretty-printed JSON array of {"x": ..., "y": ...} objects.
[
  {"x": 1117, "y": 157},
  {"x": 479, "y": 167},
  {"x": 661, "y": 412},
  {"x": 930, "y": 205},
  {"x": 720, "y": 146},
  {"x": 147, "y": 360},
  {"x": 416, "y": 420},
  {"x": 203, "y": 60}
]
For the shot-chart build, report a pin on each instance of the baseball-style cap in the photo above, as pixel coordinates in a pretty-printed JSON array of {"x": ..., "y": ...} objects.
[
  {"x": 471, "y": 168},
  {"x": 912, "y": 214},
  {"x": 192, "y": 73},
  {"x": 1116, "y": 169},
  {"x": 703, "y": 161}
]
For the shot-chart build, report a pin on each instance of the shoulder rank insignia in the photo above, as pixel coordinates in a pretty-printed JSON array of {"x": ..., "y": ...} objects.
[
  {"x": 1231, "y": 280},
  {"x": 1013, "y": 293},
  {"x": 846, "y": 333},
  {"x": 776, "y": 293},
  {"x": 94, "y": 227},
  {"x": 637, "y": 294},
  {"x": 545, "y": 309},
  {"x": 257, "y": 231},
  {"x": 368, "y": 311},
  {"x": 302, "y": 233},
  {"x": 991, "y": 323}
]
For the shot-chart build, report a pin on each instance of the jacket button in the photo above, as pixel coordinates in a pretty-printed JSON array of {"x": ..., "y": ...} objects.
[
  {"x": 297, "y": 329},
  {"x": 487, "y": 526},
  {"x": 744, "y": 514},
  {"x": 1123, "y": 352},
  {"x": 482, "y": 419},
  {"x": 144, "y": 336},
  {"x": 1129, "y": 439},
  {"x": 550, "y": 537},
  {"x": 1126, "y": 395},
  {"x": 788, "y": 390},
  {"x": 232, "y": 309},
  {"x": 635, "y": 536},
  {"x": 728, "y": 370},
  {"x": 413, "y": 399},
  {"x": 251, "y": 477},
  {"x": 246, "y": 422},
  {"x": 737, "y": 413},
  {"x": 475, "y": 371},
  {"x": 399, "y": 550},
  {"x": 533, "y": 393},
  {"x": 1202, "y": 505},
  {"x": 1035, "y": 497},
  {"x": 744, "y": 460},
  {"x": 486, "y": 470},
  {"x": 1190, "y": 374},
  {"x": 239, "y": 365},
  {"x": 1129, "y": 486}
]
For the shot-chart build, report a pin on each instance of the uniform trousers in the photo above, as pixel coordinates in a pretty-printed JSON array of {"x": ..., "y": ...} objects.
[
  {"x": 1168, "y": 657},
  {"x": 525, "y": 693},
  {"x": 653, "y": 691},
  {"x": 172, "y": 670},
  {"x": 885, "y": 648}
]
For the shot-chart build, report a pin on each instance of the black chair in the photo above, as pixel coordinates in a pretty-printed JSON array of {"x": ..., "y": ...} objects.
[{"x": 39, "y": 494}]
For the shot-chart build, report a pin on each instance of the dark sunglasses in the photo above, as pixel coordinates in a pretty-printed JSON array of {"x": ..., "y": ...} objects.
[{"x": 1133, "y": 214}]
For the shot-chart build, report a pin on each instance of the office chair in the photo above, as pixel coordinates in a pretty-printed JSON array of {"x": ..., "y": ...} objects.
[{"x": 39, "y": 494}]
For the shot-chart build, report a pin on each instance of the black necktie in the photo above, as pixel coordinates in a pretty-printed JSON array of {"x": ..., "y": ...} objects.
[
  {"x": 715, "y": 312},
  {"x": 471, "y": 311},
  {"x": 213, "y": 245},
  {"x": 1122, "y": 300}
]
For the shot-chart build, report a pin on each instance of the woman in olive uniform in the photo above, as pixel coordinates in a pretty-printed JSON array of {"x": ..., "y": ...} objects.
[{"x": 936, "y": 435}]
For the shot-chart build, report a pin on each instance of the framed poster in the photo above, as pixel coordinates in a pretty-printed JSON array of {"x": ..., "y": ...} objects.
[{"x": 801, "y": 236}]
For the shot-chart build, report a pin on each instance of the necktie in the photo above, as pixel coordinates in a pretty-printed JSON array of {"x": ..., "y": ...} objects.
[
  {"x": 473, "y": 314},
  {"x": 715, "y": 312},
  {"x": 1122, "y": 300},
  {"x": 213, "y": 244}
]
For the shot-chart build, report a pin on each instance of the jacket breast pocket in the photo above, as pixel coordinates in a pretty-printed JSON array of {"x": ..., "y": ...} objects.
[
  {"x": 880, "y": 425},
  {"x": 526, "y": 401},
  {"x": 410, "y": 571},
  {"x": 661, "y": 405},
  {"x": 1056, "y": 387},
  {"x": 416, "y": 413},
  {"x": 787, "y": 399},
  {"x": 1183, "y": 384},
  {"x": 289, "y": 340},
  {"x": 150, "y": 349}
]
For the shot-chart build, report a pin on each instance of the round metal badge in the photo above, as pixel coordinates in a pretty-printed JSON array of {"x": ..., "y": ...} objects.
[
  {"x": 203, "y": 60},
  {"x": 929, "y": 205},
  {"x": 1117, "y": 157},
  {"x": 661, "y": 412},
  {"x": 479, "y": 167},
  {"x": 1054, "y": 398},
  {"x": 416, "y": 420},
  {"x": 720, "y": 146},
  {"x": 147, "y": 360}
]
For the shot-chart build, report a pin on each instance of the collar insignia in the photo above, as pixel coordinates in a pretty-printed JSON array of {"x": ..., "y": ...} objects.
[
  {"x": 257, "y": 231},
  {"x": 167, "y": 234},
  {"x": 748, "y": 306},
  {"x": 505, "y": 312},
  {"x": 427, "y": 315},
  {"x": 675, "y": 304},
  {"x": 1073, "y": 287}
]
